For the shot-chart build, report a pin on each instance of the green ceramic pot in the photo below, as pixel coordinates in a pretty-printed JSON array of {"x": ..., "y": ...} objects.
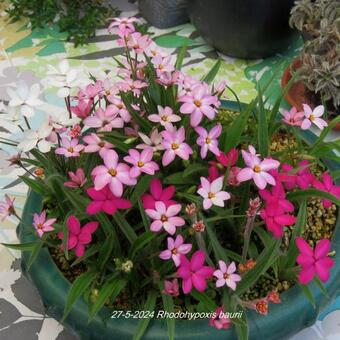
[{"x": 292, "y": 315}]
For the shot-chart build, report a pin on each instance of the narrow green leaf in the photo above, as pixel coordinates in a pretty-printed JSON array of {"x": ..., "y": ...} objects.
[
  {"x": 143, "y": 323},
  {"x": 301, "y": 194},
  {"x": 168, "y": 305},
  {"x": 140, "y": 188},
  {"x": 77, "y": 289},
  {"x": 145, "y": 218},
  {"x": 210, "y": 76},
  {"x": 308, "y": 293},
  {"x": 193, "y": 168},
  {"x": 89, "y": 252},
  {"x": 29, "y": 246},
  {"x": 180, "y": 57},
  {"x": 321, "y": 286},
  {"x": 141, "y": 242},
  {"x": 204, "y": 299},
  {"x": 125, "y": 227},
  {"x": 36, "y": 185},
  {"x": 105, "y": 251},
  {"x": 34, "y": 254},
  {"x": 262, "y": 130}
]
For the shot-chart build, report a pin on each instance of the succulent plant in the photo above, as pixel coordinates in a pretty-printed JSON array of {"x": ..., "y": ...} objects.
[{"x": 319, "y": 21}]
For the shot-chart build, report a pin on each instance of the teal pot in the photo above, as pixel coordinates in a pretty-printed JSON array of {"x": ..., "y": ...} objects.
[
  {"x": 284, "y": 320},
  {"x": 247, "y": 29}
]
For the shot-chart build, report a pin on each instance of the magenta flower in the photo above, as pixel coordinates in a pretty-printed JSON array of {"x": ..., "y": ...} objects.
[
  {"x": 293, "y": 117},
  {"x": 165, "y": 217},
  {"x": 220, "y": 320},
  {"x": 173, "y": 142},
  {"x": 208, "y": 140},
  {"x": 105, "y": 120},
  {"x": 83, "y": 108},
  {"x": 228, "y": 159},
  {"x": 175, "y": 249},
  {"x": 314, "y": 261},
  {"x": 6, "y": 207},
  {"x": 142, "y": 162},
  {"x": 226, "y": 275},
  {"x": 313, "y": 117},
  {"x": 199, "y": 102},
  {"x": 171, "y": 287},
  {"x": 194, "y": 272},
  {"x": 212, "y": 193},
  {"x": 154, "y": 141},
  {"x": 104, "y": 200},
  {"x": 78, "y": 179},
  {"x": 69, "y": 148},
  {"x": 158, "y": 194},
  {"x": 165, "y": 117},
  {"x": 78, "y": 236},
  {"x": 302, "y": 178},
  {"x": 95, "y": 144},
  {"x": 112, "y": 173},
  {"x": 327, "y": 185},
  {"x": 257, "y": 169},
  {"x": 42, "y": 225}
]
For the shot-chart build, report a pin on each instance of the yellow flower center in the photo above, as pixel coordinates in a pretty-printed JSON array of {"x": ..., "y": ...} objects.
[
  {"x": 312, "y": 117},
  {"x": 197, "y": 103},
  {"x": 174, "y": 146},
  {"x": 112, "y": 172},
  {"x": 174, "y": 251},
  {"x": 225, "y": 276},
  {"x": 164, "y": 218},
  {"x": 257, "y": 168},
  {"x": 70, "y": 149},
  {"x": 211, "y": 195},
  {"x": 140, "y": 164},
  {"x": 39, "y": 225},
  {"x": 164, "y": 118},
  {"x": 207, "y": 140}
]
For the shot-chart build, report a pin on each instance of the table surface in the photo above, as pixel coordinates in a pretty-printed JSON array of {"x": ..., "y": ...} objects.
[{"x": 24, "y": 55}]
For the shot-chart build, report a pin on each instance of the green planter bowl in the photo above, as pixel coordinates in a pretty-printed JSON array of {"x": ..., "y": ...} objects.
[{"x": 284, "y": 320}]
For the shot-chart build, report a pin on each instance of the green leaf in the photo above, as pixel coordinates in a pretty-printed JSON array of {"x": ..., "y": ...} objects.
[
  {"x": 308, "y": 293},
  {"x": 210, "y": 76},
  {"x": 168, "y": 305},
  {"x": 35, "y": 252},
  {"x": 105, "y": 251},
  {"x": 145, "y": 218},
  {"x": 173, "y": 41},
  {"x": 204, "y": 299},
  {"x": 180, "y": 57},
  {"x": 36, "y": 185},
  {"x": 262, "y": 129},
  {"x": 143, "y": 323},
  {"x": 178, "y": 178},
  {"x": 93, "y": 249},
  {"x": 193, "y": 168},
  {"x": 141, "y": 242},
  {"x": 29, "y": 246},
  {"x": 125, "y": 227},
  {"x": 140, "y": 188},
  {"x": 321, "y": 286},
  {"x": 301, "y": 194},
  {"x": 110, "y": 289},
  {"x": 77, "y": 289}
]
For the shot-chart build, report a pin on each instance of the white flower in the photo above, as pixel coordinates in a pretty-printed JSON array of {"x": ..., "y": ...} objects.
[
  {"x": 10, "y": 118},
  {"x": 63, "y": 77},
  {"x": 63, "y": 120},
  {"x": 24, "y": 98},
  {"x": 5, "y": 163},
  {"x": 37, "y": 138}
]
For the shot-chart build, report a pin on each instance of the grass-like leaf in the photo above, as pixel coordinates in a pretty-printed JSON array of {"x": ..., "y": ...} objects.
[
  {"x": 298, "y": 195},
  {"x": 210, "y": 76}
]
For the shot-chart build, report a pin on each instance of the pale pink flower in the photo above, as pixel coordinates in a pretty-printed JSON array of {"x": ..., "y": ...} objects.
[
  {"x": 162, "y": 64},
  {"x": 220, "y": 320},
  {"x": 313, "y": 117},
  {"x": 142, "y": 162},
  {"x": 257, "y": 169},
  {"x": 105, "y": 120},
  {"x": 165, "y": 116},
  {"x": 130, "y": 85},
  {"x": 219, "y": 89},
  {"x": 187, "y": 84},
  {"x": 208, "y": 140},
  {"x": 112, "y": 173},
  {"x": 293, "y": 117},
  {"x": 165, "y": 218},
  {"x": 69, "y": 148},
  {"x": 41, "y": 224},
  {"x": 120, "y": 107},
  {"x": 171, "y": 287},
  {"x": 198, "y": 103},
  {"x": 226, "y": 275},
  {"x": 95, "y": 144},
  {"x": 75, "y": 131},
  {"x": 124, "y": 24},
  {"x": 6, "y": 208},
  {"x": 175, "y": 249},
  {"x": 212, "y": 192},
  {"x": 138, "y": 42},
  {"x": 173, "y": 142},
  {"x": 78, "y": 179},
  {"x": 154, "y": 50},
  {"x": 154, "y": 141}
]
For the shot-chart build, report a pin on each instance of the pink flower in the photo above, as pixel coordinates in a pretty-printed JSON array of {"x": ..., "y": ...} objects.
[
  {"x": 78, "y": 236},
  {"x": 130, "y": 85},
  {"x": 142, "y": 162},
  {"x": 194, "y": 272},
  {"x": 232, "y": 177},
  {"x": 175, "y": 249},
  {"x": 228, "y": 159},
  {"x": 104, "y": 200},
  {"x": 198, "y": 103},
  {"x": 313, "y": 261},
  {"x": 254, "y": 205},
  {"x": 165, "y": 116},
  {"x": 158, "y": 194},
  {"x": 41, "y": 224},
  {"x": 69, "y": 148},
  {"x": 83, "y": 108},
  {"x": 225, "y": 275},
  {"x": 293, "y": 117},
  {"x": 171, "y": 287},
  {"x": 112, "y": 173},
  {"x": 257, "y": 169},
  {"x": 105, "y": 120},
  {"x": 78, "y": 179},
  {"x": 313, "y": 117},
  {"x": 162, "y": 64},
  {"x": 75, "y": 131},
  {"x": 302, "y": 178},
  {"x": 95, "y": 144},
  {"x": 120, "y": 107},
  {"x": 173, "y": 142},
  {"x": 6, "y": 207},
  {"x": 138, "y": 42},
  {"x": 124, "y": 24},
  {"x": 327, "y": 186},
  {"x": 208, "y": 141},
  {"x": 154, "y": 141},
  {"x": 220, "y": 320},
  {"x": 212, "y": 193},
  {"x": 165, "y": 217}
]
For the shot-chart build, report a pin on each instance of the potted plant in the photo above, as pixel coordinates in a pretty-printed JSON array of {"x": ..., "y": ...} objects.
[
  {"x": 317, "y": 67},
  {"x": 244, "y": 29},
  {"x": 146, "y": 206}
]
